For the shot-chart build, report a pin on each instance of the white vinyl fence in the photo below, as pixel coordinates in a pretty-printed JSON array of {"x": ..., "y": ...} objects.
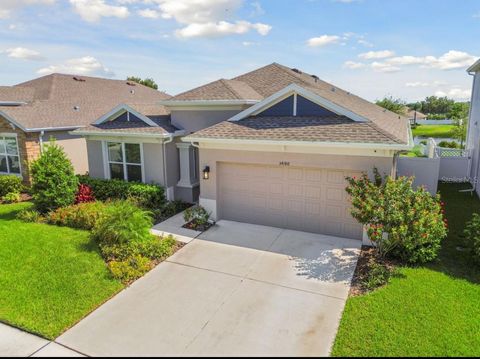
[{"x": 441, "y": 164}]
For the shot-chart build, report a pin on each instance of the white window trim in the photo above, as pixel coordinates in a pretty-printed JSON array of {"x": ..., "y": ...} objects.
[
  {"x": 15, "y": 136},
  {"x": 106, "y": 160}
]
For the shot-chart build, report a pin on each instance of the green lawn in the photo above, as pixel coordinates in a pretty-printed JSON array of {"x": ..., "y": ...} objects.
[
  {"x": 50, "y": 277},
  {"x": 440, "y": 131},
  {"x": 427, "y": 311}
]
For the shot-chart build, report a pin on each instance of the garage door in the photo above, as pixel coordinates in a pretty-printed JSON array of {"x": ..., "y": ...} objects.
[{"x": 304, "y": 199}]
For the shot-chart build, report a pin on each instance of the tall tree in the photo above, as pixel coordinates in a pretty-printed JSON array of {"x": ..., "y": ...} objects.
[
  {"x": 393, "y": 104},
  {"x": 149, "y": 82}
]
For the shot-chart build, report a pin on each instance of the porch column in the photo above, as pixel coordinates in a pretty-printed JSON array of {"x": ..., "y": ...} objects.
[{"x": 188, "y": 162}]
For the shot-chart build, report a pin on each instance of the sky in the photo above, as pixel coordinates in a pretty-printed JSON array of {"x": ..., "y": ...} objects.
[{"x": 407, "y": 49}]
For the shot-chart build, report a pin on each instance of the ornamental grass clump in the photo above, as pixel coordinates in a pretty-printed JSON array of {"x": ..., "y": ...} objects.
[{"x": 402, "y": 222}]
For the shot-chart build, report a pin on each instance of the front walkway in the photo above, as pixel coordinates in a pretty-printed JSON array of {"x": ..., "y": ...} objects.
[
  {"x": 238, "y": 289},
  {"x": 17, "y": 343}
]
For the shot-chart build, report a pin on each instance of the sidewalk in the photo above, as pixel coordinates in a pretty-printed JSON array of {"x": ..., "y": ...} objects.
[
  {"x": 17, "y": 343},
  {"x": 174, "y": 226}
]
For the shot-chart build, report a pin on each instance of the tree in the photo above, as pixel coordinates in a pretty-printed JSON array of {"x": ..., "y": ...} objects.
[
  {"x": 149, "y": 82},
  {"x": 459, "y": 113},
  {"x": 437, "y": 105},
  {"x": 393, "y": 104},
  {"x": 54, "y": 183}
]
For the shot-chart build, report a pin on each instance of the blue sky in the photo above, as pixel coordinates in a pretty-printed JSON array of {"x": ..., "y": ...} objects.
[{"x": 405, "y": 48}]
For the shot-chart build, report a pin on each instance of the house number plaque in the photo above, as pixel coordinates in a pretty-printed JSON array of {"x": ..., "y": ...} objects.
[{"x": 284, "y": 163}]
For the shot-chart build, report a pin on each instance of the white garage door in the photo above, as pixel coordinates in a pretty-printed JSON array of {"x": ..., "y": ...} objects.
[{"x": 304, "y": 199}]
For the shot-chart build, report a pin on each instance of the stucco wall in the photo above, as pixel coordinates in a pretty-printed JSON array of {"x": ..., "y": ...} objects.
[
  {"x": 192, "y": 121},
  {"x": 75, "y": 147},
  {"x": 211, "y": 158},
  {"x": 474, "y": 132}
]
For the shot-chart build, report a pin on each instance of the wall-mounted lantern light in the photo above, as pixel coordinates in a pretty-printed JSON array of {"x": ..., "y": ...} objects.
[{"x": 206, "y": 173}]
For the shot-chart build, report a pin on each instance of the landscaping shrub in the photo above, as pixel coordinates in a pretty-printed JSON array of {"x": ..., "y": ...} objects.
[
  {"x": 123, "y": 223},
  {"x": 125, "y": 241},
  {"x": 449, "y": 144},
  {"x": 84, "y": 194},
  {"x": 10, "y": 184},
  {"x": 54, "y": 183},
  {"x": 472, "y": 232},
  {"x": 30, "y": 216},
  {"x": 148, "y": 196},
  {"x": 402, "y": 222},
  {"x": 378, "y": 275},
  {"x": 80, "y": 216},
  {"x": 197, "y": 216},
  {"x": 130, "y": 269},
  {"x": 12, "y": 197}
]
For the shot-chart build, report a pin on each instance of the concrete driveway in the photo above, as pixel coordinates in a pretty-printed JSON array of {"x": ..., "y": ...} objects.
[{"x": 238, "y": 289}]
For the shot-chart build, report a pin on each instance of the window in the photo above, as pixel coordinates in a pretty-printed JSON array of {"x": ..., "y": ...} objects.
[
  {"x": 9, "y": 156},
  {"x": 125, "y": 161}
]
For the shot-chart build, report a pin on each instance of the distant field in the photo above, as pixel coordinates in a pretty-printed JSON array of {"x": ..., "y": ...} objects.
[{"x": 439, "y": 131}]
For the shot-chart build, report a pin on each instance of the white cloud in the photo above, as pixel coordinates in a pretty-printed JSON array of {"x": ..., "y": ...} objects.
[
  {"x": 417, "y": 84},
  {"x": 384, "y": 67},
  {"x": 449, "y": 61},
  {"x": 87, "y": 65},
  {"x": 249, "y": 43},
  {"x": 8, "y": 6},
  {"x": 352, "y": 65},
  {"x": 455, "y": 93},
  {"x": 149, "y": 13},
  {"x": 206, "y": 18},
  {"x": 376, "y": 54},
  {"x": 323, "y": 40},
  {"x": 365, "y": 43},
  {"x": 24, "y": 54},
  {"x": 221, "y": 28},
  {"x": 94, "y": 10}
]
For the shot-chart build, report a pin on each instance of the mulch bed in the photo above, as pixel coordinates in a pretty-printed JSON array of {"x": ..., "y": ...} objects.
[
  {"x": 202, "y": 228},
  {"x": 365, "y": 260}
]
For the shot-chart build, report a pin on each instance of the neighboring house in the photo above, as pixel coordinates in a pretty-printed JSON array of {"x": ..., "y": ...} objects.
[
  {"x": 33, "y": 112},
  {"x": 271, "y": 147},
  {"x": 415, "y": 116},
  {"x": 473, "y": 136}
]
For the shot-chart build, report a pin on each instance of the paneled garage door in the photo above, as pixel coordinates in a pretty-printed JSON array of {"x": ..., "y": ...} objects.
[{"x": 304, "y": 199}]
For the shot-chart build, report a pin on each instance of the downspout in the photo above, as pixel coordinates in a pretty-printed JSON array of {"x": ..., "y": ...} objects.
[
  {"x": 166, "y": 142},
  {"x": 40, "y": 140}
]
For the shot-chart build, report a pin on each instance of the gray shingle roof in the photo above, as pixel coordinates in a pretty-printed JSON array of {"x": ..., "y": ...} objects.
[
  {"x": 59, "y": 100},
  {"x": 270, "y": 79},
  {"x": 134, "y": 127},
  {"x": 312, "y": 129},
  {"x": 220, "y": 90}
]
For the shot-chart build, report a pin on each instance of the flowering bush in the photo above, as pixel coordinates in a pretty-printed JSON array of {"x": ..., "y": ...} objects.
[
  {"x": 81, "y": 216},
  {"x": 402, "y": 222},
  {"x": 84, "y": 194}
]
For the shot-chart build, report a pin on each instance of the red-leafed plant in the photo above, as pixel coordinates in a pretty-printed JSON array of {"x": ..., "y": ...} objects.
[{"x": 84, "y": 194}]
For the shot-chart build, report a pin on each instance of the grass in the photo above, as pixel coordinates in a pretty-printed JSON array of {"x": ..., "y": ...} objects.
[
  {"x": 415, "y": 152},
  {"x": 50, "y": 277},
  {"x": 424, "y": 311},
  {"x": 436, "y": 131}
]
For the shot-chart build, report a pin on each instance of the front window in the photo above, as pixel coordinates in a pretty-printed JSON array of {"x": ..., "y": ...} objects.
[
  {"x": 9, "y": 156},
  {"x": 125, "y": 161}
]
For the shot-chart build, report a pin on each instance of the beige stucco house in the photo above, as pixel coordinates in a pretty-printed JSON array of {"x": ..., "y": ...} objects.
[
  {"x": 33, "y": 112},
  {"x": 270, "y": 147}
]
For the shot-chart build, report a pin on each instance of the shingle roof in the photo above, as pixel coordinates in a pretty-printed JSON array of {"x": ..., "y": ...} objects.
[
  {"x": 312, "y": 129},
  {"x": 134, "y": 127},
  {"x": 16, "y": 93},
  {"x": 270, "y": 79},
  {"x": 220, "y": 90},
  {"x": 70, "y": 101}
]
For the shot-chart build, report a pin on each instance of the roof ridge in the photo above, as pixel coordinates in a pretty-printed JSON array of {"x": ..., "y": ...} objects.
[{"x": 232, "y": 91}]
